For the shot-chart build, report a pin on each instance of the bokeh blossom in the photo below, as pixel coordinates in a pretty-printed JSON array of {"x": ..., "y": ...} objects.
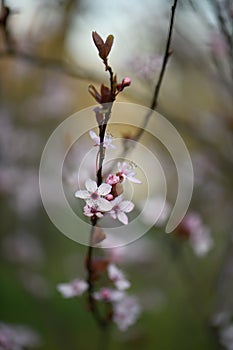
[{"x": 75, "y": 288}]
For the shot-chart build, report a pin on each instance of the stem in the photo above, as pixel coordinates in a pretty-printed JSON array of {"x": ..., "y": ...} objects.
[
  {"x": 166, "y": 56},
  {"x": 103, "y": 322},
  {"x": 223, "y": 27},
  {"x": 102, "y": 131}
]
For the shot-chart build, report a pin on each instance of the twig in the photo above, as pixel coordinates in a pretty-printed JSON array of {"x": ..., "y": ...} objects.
[
  {"x": 89, "y": 264},
  {"x": 154, "y": 102},
  {"x": 227, "y": 35},
  {"x": 167, "y": 54}
]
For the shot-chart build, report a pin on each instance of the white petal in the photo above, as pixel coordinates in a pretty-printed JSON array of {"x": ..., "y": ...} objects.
[
  {"x": 122, "y": 284},
  {"x": 113, "y": 215},
  {"x": 94, "y": 137},
  {"x": 126, "y": 206},
  {"x": 82, "y": 194},
  {"x": 66, "y": 290},
  {"x": 114, "y": 273},
  {"x": 103, "y": 204},
  {"x": 104, "y": 189},
  {"x": 122, "y": 217},
  {"x": 134, "y": 180},
  {"x": 91, "y": 203},
  {"x": 116, "y": 201},
  {"x": 91, "y": 185}
]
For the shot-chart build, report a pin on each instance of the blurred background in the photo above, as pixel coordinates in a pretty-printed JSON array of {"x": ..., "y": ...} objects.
[{"x": 184, "y": 280}]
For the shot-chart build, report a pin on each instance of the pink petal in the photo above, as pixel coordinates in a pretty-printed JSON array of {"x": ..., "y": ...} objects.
[{"x": 91, "y": 185}]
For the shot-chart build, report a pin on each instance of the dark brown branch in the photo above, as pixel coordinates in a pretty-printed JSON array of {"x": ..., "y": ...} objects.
[
  {"x": 167, "y": 54},
  {"x": 226, "y": 34},
  {"x": 89, "y": 265}
]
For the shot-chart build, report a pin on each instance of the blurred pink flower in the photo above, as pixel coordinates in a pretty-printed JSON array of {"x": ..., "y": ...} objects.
[
  {"x": 126, "y": 312},
  {"x": 17, "y": 337},
  {"x": 109, "y": 295},
  {"x": 198, "y": 234},
  {"x": 117, "y": 277},
  {"x": 74, "y": 288}
]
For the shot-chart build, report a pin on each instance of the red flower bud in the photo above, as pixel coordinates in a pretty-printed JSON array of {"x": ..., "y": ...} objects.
[{"x": 125, "y": 82}]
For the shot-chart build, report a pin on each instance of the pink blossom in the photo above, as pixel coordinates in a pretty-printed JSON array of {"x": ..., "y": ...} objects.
[
  {"x": 74, "y": 288},
  {"x": 119, "y": 208},
  {"x": 94, "y": 196},
  {"x": 117, "y": 277},
  {"x": 197, "y": 233},
  {"x": 125, "y": 171},
  {"x": 126, "y": 312},
  {"x": 17, "y": 337},
  {"x": 107, "y": 140},
  {"x": 112, "y": 179},
  {"x": 109, "y": 295}
]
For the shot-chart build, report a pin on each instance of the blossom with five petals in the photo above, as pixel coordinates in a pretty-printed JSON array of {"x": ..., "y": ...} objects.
[
  {"x": 119, "y": 208},
  {"x": 94, "y": 195},
  {"x": 125, "y": 172}
]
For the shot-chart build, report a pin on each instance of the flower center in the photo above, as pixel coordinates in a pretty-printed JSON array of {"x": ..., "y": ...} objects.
[{"x": 94, "y": 196}]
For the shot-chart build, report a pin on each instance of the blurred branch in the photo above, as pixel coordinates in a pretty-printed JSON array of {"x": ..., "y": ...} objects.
[
  {"x": 58, "y": 65},
  {"x": 225, "y": 31},
  {"x": 49, "y": 63}
]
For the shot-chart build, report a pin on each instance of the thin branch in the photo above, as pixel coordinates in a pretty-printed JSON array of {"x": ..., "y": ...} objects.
[
  {"x": 167, "y": 54},
  {"x": 226, "y": 34},
  {"x": 102, "y": 323}
]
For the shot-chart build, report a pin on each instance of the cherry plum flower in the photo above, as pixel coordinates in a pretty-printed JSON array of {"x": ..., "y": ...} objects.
[
  {"x": 75, "y": 288},
  {"x": 198, "y": 234},
  {"x": 117, "y": 277},
  {"x": 94, "y": 195},
  {"x": 109, "y": 295},
  {"x": 107, "y": 140},
  {"x": 126, "y": 312},
  {"x": 119, "y": 208},
  {"x": 17, "y": 337},
  {"x": 125, "y": 172}
]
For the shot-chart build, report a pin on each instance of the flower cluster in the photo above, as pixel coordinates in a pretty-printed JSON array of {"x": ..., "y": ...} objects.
[
  {"x": 107, "y": 198},
  {"x": 125, "y": 308}
]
